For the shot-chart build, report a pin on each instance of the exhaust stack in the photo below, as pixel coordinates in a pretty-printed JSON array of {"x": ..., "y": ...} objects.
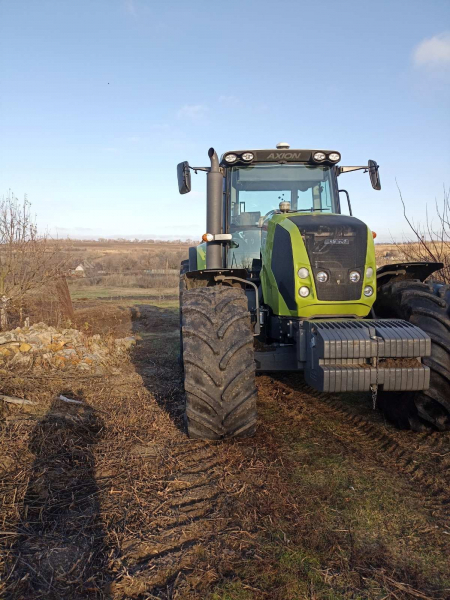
[{"x": 214, "y": 211}]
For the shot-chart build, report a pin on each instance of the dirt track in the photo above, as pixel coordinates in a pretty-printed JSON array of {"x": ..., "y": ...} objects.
[{"x": 327, "y": 501}]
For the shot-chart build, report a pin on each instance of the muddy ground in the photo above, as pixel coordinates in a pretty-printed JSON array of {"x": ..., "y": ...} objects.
[{"x": 109, "y": 499}]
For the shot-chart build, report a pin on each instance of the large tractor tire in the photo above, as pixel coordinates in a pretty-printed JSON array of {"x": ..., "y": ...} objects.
[
  {"x": 428, "y": 307},
  {"x": 219, "y": 366}
]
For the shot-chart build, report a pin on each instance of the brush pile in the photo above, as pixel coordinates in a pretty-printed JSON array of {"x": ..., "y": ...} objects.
[{"x": 46, "y": 348}]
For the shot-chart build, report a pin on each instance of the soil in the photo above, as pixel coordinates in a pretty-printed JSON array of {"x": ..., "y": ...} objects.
[{"x": 110, "y": 499}]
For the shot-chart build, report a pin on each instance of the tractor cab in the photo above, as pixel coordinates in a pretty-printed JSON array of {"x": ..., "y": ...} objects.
[
  {"x": 248, "y": 187},
  {"x": 256, "y": 190}
]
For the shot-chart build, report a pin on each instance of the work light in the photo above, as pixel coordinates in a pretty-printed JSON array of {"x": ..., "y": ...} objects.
[
  {"x": 247, "y": 156},
  {"x": 319, "y": 156},
  {"x": 231, "y": 158}
]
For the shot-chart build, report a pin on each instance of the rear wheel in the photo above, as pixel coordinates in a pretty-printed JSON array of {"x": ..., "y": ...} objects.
[
  {"x": 426, "y": 306},
  {"x": 219, "y": 366}
]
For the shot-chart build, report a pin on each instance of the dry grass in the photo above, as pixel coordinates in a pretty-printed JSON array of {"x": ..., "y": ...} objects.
[{"x": 110, "y": 500}]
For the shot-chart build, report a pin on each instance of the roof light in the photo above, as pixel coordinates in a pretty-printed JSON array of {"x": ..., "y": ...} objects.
[
  {"x": 334, "y": 157},
  {"x": 247, "y": 156},
  {"x": 319, "y": 156},
  {"x": 231, "y": 158}
]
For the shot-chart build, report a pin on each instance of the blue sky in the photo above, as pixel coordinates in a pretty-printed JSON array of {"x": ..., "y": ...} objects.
[{"x": 100, "y": 99}]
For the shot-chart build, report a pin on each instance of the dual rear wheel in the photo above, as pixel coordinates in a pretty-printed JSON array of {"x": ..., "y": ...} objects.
[{"x": 428, "y": 307}]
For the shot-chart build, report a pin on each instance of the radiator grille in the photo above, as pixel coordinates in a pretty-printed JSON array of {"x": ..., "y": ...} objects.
[{"x": 335, "y": 244}]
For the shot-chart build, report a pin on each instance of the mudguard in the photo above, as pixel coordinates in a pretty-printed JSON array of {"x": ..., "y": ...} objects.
[{"x": 411, "y": 270}]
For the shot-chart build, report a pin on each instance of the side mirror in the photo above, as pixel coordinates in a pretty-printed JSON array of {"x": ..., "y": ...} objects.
[
  {"x": 374, "y": 174},
  {"x": 184, "y": 177}
]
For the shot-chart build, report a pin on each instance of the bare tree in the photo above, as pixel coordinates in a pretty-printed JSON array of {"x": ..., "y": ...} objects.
[
  {"x": 430, "y": 242},
  {"x": 29, "y": 261}
]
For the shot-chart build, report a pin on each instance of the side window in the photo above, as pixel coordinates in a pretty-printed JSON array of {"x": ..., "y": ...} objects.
[{"x": 325, "y": 195}]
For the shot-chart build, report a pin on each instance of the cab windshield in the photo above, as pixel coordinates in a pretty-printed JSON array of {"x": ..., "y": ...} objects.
[{"x": 254, "y": 194}]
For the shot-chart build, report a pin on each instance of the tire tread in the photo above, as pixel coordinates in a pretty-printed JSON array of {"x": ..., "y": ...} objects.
[{"x": 219, "y": 366}]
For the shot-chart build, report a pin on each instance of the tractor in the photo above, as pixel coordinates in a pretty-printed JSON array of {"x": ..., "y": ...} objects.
[{"x": 283, "y": 281}]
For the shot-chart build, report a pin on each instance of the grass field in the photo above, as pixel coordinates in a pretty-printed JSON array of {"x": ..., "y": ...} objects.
[{"x": 119, "y": 293}]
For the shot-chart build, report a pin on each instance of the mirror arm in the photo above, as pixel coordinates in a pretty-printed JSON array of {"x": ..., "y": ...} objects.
[
  {"x": 195, "y": 169},
  {"x": 349, "y": 169}
]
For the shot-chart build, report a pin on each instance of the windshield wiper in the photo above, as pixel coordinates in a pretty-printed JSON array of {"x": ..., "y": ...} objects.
[{"x": 307, "y": 209}]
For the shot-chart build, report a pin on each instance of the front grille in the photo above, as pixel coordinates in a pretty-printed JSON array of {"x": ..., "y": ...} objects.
[{"x": 337, "y": 245}]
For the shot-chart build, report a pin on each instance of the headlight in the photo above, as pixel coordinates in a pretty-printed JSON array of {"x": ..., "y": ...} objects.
[
  {"x": 247, "y": 156},
  {"x": 369, "y": 272},
  {"x": 319, "y": 156},
  {"x": 303, "y": 273},
  {"x": 230, "y": 158},
  {"x": 334, "y": 157},
  {"x": 355, "y": 276},
  {"x": 322, "y": 277},
  {"x": 368, "y": 291},
  {"x": 303, "y": 291}
]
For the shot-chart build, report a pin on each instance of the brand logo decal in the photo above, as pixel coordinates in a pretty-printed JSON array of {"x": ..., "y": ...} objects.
[
  {"x": 337, "y": 241},
  {"x": 284, "y": 155}
]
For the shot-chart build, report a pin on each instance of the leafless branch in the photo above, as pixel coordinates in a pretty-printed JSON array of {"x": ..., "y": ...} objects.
[{"x": 430, "y": 243}]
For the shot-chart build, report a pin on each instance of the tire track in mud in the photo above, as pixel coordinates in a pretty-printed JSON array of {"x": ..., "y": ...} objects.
[
  {"x": 422, "y": 458},
  {"x": 183, "y": 525},
  {"x": 187, "y": 519}
]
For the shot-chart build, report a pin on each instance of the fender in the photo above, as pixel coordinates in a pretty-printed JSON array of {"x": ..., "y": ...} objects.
[
  {"x": 207, "y": 277},
  {"x": 411, "y": 270}
]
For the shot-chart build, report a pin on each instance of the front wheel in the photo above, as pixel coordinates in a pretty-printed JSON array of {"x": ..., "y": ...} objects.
[
  {"x": 428, "y": 307},
  {"x": 219, "y": 366}
]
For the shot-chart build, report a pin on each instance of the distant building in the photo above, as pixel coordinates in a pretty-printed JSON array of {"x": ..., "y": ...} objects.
[{"x": 82, "y": 269}]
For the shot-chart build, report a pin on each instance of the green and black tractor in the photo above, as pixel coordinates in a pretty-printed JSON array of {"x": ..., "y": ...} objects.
[{"x": 283, "y": 281}]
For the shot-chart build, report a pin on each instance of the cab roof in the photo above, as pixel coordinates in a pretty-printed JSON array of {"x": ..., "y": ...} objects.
[{"x": 285, "y": 155}]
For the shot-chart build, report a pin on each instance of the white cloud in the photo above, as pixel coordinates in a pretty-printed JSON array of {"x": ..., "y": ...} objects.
[
  {"x": 229, "y": 101},
  {"x": 194, "y": 112},
  {"x": 434, "y": 51}
]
